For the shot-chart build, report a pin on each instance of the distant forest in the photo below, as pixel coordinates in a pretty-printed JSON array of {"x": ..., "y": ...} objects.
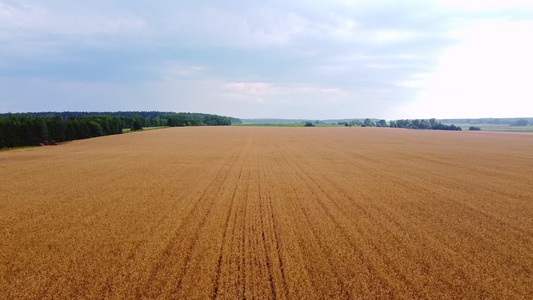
[
  {"x": 502, "y": 121},
  {"x": 411, "y": 124},
  {"x": 32, "y": 129}
]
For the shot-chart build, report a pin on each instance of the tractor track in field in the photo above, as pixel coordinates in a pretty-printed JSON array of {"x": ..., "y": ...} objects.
[
  {"x": 263, "y": 215},
  {"x": 271, "y": 213},
  {"x": 222, "y": 244}
]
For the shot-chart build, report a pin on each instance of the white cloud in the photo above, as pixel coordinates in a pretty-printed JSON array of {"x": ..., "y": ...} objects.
[
  {"x": 39, "y": 19},
  {"x": 249, "y": 91},
  {"x": 307, "y": 58},
  {"x": 393, "y": 36},
  {"x": 247, "y": 87},
  {"x": 35, "y": 32},
  {"x": 488, "y": 74},
  {"x": 485, "y": 4},
  {"x": 216, "y": 25},
  {"x": 342, "y": 28},
  {"x": 172, "y": 69}
]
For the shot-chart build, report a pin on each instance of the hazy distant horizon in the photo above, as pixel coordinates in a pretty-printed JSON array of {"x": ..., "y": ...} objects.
[{"x": 275, "y": 118}]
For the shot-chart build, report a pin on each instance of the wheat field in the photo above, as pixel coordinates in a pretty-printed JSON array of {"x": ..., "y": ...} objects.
[{"x": 270, "y": 213}]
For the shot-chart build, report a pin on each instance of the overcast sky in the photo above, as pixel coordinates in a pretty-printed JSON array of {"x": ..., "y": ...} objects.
[{"x": 277, "y": 59}]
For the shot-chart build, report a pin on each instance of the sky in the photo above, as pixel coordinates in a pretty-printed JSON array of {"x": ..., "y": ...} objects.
[{"x": 270, "y": 59}]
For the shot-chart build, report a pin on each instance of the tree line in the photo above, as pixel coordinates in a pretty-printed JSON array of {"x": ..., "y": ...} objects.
[
  {"x": 26, "y": 130},
  {"x": 410, "y": 124},
  {"x": 149, "y": 118},
  {"x": 365, "y": 123},
  {"x": 32, "y": 129},
  {"x": 197, "y": 119},
  {"x": 423, "y": 124}
]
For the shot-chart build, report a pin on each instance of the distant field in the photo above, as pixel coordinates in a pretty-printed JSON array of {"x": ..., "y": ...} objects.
[
  {"x": 496, "y": 127},
  {"x": 285, "y": 125},
  {"x": 144, "y": 129},
  {"x": 270, "y": 213}
]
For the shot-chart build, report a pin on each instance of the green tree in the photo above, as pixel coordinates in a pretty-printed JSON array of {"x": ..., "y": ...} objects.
[
  {"x": 56, "y": 129},
  {"x": 521, "y": 122},
  {"x": 403, "y": 123},
  {"x": 309, "y": 124},
  {"x": 424, "y": 124},
  {"x": 147, "y": 122},
  {"x": 3, "y": 142},
  {"x": 83, "y": 131},
  {"x": 70, "y": 129},
  {"x": 158, "y": 121},
  {"x": 136, "y": 125},
  {"x": 381, "y": 123},
  {"x": 40, "y": 131},
  {"x": 368, "y": 123},
  {"x": 95, "y": 128}
]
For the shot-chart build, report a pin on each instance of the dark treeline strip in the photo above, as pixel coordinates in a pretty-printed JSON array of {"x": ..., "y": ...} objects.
[
  {"x": 25, "y": 130},
  {"x": 79, "y": 114},
  {"x": 366, "y": 123},
  {"x": 196, "y": 119},
  {"x": 423, "y": 124},
  {"x": 410, "y": 124},
  {"x": 31, "y": 129},
  {"x": 150, "y": 118}
]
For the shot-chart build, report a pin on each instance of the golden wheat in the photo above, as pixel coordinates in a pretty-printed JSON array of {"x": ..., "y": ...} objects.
[{"x": 275, "y": 213}]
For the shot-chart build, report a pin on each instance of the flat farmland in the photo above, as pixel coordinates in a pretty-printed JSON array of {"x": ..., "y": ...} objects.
[{"x": 270, "y": 213}]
